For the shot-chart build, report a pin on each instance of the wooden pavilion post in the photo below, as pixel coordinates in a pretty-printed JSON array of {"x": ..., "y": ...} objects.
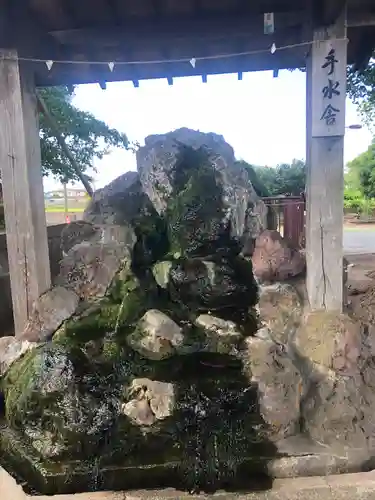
[
  {"x": 20, "y": 162},
  {"x": 326, "y": 93}
]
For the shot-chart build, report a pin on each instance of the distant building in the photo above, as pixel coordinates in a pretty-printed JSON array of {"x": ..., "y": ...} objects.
[{"x": 71, "y": 193}]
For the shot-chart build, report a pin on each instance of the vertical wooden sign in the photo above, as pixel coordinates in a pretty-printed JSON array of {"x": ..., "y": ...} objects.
[{"x": 328, "y": 88}]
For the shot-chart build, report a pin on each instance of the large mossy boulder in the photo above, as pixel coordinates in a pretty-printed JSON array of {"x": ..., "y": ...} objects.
[
  {"x": 155, "y": 361},
  {"x": 54, "y": 400}
]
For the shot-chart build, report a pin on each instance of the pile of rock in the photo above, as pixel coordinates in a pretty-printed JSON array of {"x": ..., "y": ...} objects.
[
  {"x": 158, "y": 350},
  {"x": 139, "y": 344}
]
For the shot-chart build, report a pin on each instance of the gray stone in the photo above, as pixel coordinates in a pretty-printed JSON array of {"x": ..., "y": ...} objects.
[
  {"x": 123, "y": 235},
  {"x": 161, "y": 273},
  {"x": 123, "y": 203},
  {"x": 280, "y": 385},
  {"x": 310, "y": 465},
  {"x": 280, "y": 311},
  {"x": 203, "y": 285},
  {"x": 76, "y": 232},
  {"x": 149, "y": 401},
  {"x": 156, "y": 336},
  {"x": 116, "y": 202},
  {"x": 89, "y": 268},
  {"x": 275, "y": 260},
  {"x": 339, "y": 405},
  {"x": 221, "y": 335},
  {"x": 12, "y": 349},
  {"x": 81, "y": 231},
  {"x": 156, "y": 160},
  {"x": 330, "y": 339},
  {"x": 49, "y": 312},
  {"x": 340, "y": 410},
  {"x": 218, "y": 326}
]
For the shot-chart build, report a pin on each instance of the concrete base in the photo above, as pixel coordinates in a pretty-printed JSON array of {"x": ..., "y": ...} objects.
[
  {"x": 360, "y": 486},
  {"x": 296, "y": 456}
]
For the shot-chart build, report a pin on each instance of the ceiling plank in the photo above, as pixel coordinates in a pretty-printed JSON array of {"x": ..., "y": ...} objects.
[
  {"x": 359, "y": 19},
  {"x": 262, "y": 7},
  {"x": 4, "y": 25},
  {"x": 364, "y": 49},
  {"x": 326, "y": 12},
  {"x": 157, "y": 6},
  {"x": 115, "y": 12},
  {"x": 177, "y": 29},
  {"x": 333, "y": 10},
  {"x": 50, "y": 13},
  {"x": 69, "y": 10},
  {"x": 27, "y": 34}
]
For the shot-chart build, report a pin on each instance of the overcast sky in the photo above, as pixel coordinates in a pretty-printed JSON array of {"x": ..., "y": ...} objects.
[{"x": 262, "y": 117}]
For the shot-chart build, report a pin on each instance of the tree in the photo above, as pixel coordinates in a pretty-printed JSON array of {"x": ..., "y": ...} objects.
[
  {"x": 361, "y": 89},
  {"x": 284, "y": 179},
  {"x": 87, "y": 137},
  {"x": 361, "y": 173}
]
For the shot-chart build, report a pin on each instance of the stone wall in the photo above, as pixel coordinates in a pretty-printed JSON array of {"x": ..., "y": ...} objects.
[{"x": 6, "y": 314}]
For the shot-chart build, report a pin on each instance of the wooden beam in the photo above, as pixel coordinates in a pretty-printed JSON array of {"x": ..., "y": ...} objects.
[
  {"x": 281, "y": 6},
  {"x": 28, "y": 34},
  {"x": 157, "y": 6},
  {"x": 258, "y": 62},
  {"x": 360, "y": 19},
  {"x": 325, "y": 125},
  {"x": 70, "y": 8},
  {"x": 115, "y": 12},
  {"x": 200, "y": 29},
  {"x": 139, "y": 47},
  {"x": 364, "y": 49},
  {"x": 332, "y": 11},
  {"x": 218, "y": 27},
  {"x": 198, "y": 8},
  {"x": 165, "y": 54},
  {"x": 20, "y": 161},
  {"x": 4, "y": 24}
]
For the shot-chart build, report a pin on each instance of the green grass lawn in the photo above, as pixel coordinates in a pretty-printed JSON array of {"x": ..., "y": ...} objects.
[{"x": 57, "y": 209}]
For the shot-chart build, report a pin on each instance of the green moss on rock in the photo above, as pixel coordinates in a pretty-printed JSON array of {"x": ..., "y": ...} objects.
[
  {"x": 152, "y": 237},
  {"x": 195, "y": 210},
  {"x": 16, "y": 381},
  {"x": 123, "y": 305},
  {"x": 161, "y": 272}
]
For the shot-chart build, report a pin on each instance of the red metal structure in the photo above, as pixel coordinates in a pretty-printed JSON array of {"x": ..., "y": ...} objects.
[{"x": 290, "y": 217}]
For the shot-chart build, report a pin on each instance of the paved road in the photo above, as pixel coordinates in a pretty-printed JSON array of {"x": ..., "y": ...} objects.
[{"x": 359, "y": 241}]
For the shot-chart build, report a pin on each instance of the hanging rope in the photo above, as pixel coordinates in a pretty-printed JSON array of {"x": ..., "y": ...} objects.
[{"x": 191, "y": 60}]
